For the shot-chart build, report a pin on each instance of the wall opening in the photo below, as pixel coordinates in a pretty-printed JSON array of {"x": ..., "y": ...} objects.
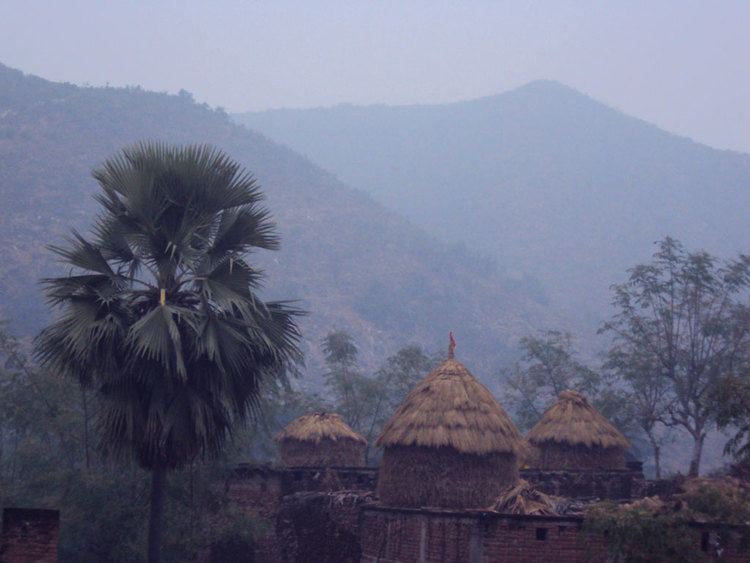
[{"x": 541, "y": 534}]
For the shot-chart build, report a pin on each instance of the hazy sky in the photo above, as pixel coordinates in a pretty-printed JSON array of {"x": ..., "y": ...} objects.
[{"x": 680, "y": 64}]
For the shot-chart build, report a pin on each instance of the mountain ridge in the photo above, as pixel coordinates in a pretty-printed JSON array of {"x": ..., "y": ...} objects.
[
  {"x": 357, "y": 265},
  {"x": 552, "y": 183},
  {"x": 540, "y": 84}
]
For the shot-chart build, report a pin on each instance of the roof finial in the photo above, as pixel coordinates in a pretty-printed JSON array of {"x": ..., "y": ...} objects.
[{"x": 451, "y": 345}]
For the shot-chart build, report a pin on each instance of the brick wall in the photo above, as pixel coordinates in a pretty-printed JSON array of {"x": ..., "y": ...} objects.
[
  {"x": 588, "y": 484},
  {"x": 418, "y": 535},
  {"x": 391, "y": 535},
  {"x": 321, "y": 527},
  {"x": 263, "y": 486},
  {"x": 257, "y": 490},
  {"x": 29, "y": 535},
  {"x": 260, "y": 492},
  {"x": 326, "y": 479}
]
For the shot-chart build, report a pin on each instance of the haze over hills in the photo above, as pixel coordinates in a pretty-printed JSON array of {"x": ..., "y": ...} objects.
[
  {"x": 354, "y": 264},
  {"x": 552, "y": 183}
]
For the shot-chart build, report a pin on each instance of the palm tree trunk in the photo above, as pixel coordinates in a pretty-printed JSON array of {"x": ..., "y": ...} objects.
[
  {"x": 155, "y": 520},
  {"x": 85, "y": 428}
]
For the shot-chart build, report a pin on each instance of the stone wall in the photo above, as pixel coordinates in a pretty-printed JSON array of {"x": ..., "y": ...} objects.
[
  {"x": 29, "y": 535},
  {"x": 391, "y": 535}
]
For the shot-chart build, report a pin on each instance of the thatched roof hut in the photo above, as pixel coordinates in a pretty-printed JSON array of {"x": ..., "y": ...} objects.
[
  {"x": 449, "y": 444},
  {"x": 321, "y": 439},
  {"x": 572, "y": 434}
]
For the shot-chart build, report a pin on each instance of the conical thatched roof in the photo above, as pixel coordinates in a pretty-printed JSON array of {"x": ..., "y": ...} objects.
[
  {"x": 573, "y": 420},
  {"x": 450, "y": 408},
  {"x": 317, "y": 426}
]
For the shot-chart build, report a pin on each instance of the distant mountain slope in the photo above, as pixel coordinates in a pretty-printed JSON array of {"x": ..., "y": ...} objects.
[
  {"x": 354, "y": 264},
  {"x": 549, "y": 181}
]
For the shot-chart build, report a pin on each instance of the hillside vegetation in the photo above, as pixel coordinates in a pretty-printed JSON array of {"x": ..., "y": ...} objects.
[
  {"x": 548, "y": 181},
  {"x": 354, "y": 264}
]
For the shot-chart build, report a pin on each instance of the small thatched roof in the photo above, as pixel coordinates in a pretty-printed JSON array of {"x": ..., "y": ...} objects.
[
  {"x": 522, "y": 498},
  {"x": 317, "y": 426},
  {"x": 449, "y": 408},
  {"x": 574, "y": 421}
]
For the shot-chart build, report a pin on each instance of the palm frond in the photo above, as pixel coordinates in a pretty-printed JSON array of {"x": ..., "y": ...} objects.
[{"x": 161, "y": 314}]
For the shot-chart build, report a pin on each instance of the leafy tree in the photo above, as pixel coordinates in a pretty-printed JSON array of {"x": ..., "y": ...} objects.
[
  {"x": 365, "y": 401},
  {"x": 340, "y": 349},
  {"x": 393, "y": 381},
  {"x": 636, "y": 534},
  {"x": 280, "y": 406},
  {"x": 549, "y": 366},
  {"x": 731, "y": 401},
  {"x": 683, "y": 320},
  {"x": 646, "y": 395},
  {"x": 160, "y": 313},
  {"x": 350, "y": 390},
  {"x": 38, "y": 413},
  {"x": 653, "y": 530}
]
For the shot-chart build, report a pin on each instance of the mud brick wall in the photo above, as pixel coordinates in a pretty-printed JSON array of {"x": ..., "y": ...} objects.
[
  {"x": 588, "y": 484},
  {"x": 390, "y": 535},
  {"x": 260, "y": 491},
  {"x": 257, "y": 491},
  {"x": 321, "y": 527},
  {"x": 263, "y": 487},
  {"x": 325, "y": 479},
  {"x": 29, "y": 536},
  {"x": 524, "y": 540}
]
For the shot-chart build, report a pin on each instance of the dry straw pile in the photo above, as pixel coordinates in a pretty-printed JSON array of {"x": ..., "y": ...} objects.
[
  {"x": 450, "y": 408},
  {"x": 572, "y": 434},
  {"x": 321, "y": 439},
  {"x": 522, "y": 498},
  {"x": 449, "y": 444}
]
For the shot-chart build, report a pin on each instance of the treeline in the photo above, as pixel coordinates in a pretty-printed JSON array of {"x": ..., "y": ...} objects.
[
  {"x": 51, "y": 455},
  {"x": 678, "y": 359}
]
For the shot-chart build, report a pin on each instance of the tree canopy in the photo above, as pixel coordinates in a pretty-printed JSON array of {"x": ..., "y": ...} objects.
[
  {"x": 160, "y": 312},
  {"x": 682, "y": 324}
]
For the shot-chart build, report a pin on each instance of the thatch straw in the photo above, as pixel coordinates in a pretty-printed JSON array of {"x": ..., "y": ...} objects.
[
  {"x": 531, "y": 456},
  {"x": 573, "y": 421},
  {"x": 555, "y": 456},
  {"x": 314, "y": 427},
  {"x": 450, "y": 408},
  {"x": 414, "y": 476},
  {"x": 650, "y": 505},
  {"x": 321, "y": 440},
  {"x": 522, "y": 498}
]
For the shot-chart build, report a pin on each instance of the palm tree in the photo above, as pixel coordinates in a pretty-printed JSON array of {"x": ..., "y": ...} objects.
[{"x": 160, "y": 313}]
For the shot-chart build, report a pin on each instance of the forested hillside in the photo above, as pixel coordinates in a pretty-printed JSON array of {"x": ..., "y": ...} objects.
[
  {"x": 353, "y": 264},
  {"x": 550, "y": 182}
]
